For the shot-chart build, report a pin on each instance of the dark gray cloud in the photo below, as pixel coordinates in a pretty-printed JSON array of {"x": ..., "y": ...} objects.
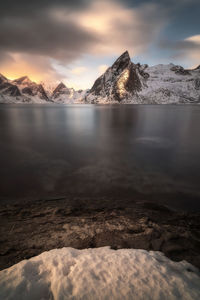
[
  {"x": 29, "y": 27},
  {"x": 44, "y": 36},
  {"x": 187, "y": 50},
  {"x": 23, "y": 8},
  {"x": 184, "y": 45}
]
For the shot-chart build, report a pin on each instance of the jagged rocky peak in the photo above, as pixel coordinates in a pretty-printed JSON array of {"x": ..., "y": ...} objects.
[
  {"x": 61, "y": 89},
  {"x": 30, "y": 88},
  {"x": 7, "y": 88},
  {"x": 121, "y": 81},
  {"x": 22, "y": 80},
  {"x": 122, "y": 62}
]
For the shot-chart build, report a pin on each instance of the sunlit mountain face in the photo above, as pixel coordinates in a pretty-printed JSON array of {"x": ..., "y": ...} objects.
[{"x": 75, "y": 41}]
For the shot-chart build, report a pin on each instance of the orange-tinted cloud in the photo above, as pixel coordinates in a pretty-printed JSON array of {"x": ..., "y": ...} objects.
[{"x": 37, "y": 68}]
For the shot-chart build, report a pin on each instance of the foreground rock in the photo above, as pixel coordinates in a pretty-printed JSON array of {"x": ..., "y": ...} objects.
[{"x": 29, "y": 229}]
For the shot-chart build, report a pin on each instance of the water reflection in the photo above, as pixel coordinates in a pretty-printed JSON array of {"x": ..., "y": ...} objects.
[{"x": 105, "y": 150}]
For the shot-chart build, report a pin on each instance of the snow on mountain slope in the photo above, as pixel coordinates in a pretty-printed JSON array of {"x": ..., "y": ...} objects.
[
  {"x": 33, "y": 91},
  {"x": 171, "y": 84},
  {"x": 123, "y": 82},
  {"x": 100, "y": 273},
  {"x": 126, "y": 82},
  {"x": 65, "y": 95},
  {"x": 8, "y": 91},
  {"x": 23, "y": 90}
]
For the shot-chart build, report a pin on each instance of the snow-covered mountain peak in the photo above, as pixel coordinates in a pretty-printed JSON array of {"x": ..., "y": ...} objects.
[
  {"x": 123, "y": 82},
  {"x": 61, "y": 89},
  {"x": 122, "y": 62},
  {"x": 127, "y": 82},
  {"x": 24, "y": 80}
]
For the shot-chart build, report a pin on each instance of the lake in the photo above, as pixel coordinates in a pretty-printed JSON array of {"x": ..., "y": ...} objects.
[{"x": 136, "y": 151}]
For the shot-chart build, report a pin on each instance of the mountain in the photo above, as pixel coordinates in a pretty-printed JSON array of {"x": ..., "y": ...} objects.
[
  {"x": 123, "y": 82},
  {"x": 21, "y": 90},
  {"x": 126, "y": 82},
  {"x": 63, "y": 94},
  {"x": 7, "y": 89},
  {"x": 31, "y": 89}
]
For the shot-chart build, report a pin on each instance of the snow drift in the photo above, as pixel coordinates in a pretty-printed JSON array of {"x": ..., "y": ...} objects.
[{"x": 100, "y": 273}]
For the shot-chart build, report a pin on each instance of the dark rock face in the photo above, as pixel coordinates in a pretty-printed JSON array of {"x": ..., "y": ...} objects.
[
  {"x": 121, "y": 81},
  {"x": 9, "y": 89},
  {"x": 180, "y": 70},
  {"x": 197, "y": 84},
  {"x": 27, "y": 91},
  {"x": 42, "y": 92},
  {"x": 13, "y": 90},
  {"x": 34, "y": 90},
  {"x": 61, "y": 89}
]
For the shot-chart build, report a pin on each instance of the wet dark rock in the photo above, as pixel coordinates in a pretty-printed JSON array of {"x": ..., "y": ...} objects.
[{"x": 30, "y": 228}]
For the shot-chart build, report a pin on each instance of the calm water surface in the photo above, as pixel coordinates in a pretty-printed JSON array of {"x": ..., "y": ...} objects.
[{"x": 143, "y": 152}]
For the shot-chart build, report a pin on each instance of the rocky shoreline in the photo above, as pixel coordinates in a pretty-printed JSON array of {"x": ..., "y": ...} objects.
[{"x": 30, "y": 228}]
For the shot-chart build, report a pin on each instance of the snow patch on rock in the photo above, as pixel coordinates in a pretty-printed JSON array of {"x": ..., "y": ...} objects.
[{"x": 100, "y": 273}]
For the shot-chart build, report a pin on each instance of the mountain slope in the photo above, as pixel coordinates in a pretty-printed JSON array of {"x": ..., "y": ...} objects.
[
  {"x": 123, "y": 82},
  {"x": 21, "y": 90},
  {"x": 126, "y": 82},
  {"x": 31, "y": 89}
]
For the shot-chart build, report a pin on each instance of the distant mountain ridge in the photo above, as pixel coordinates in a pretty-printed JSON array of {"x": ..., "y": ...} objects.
[
  {"x": 23, "y": 90},
  {"x": 123, "y": 82}
]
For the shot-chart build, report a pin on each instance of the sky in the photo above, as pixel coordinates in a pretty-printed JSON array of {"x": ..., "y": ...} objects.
[{"x": 75, "y": 41}]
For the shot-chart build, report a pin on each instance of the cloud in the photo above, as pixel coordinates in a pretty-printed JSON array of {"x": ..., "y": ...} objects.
[
  {"x": 118, "y": 28},
  {"x": 21, "y": 8},
  {"x": 187, "y": 49},
  {"x": 195, "y": 39},
  {"x": 36, "y": 33},
  {"x": 38, "y": 68},
  {"x": 78, "y": 70},
  {"x": 102, "y": 68}
]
